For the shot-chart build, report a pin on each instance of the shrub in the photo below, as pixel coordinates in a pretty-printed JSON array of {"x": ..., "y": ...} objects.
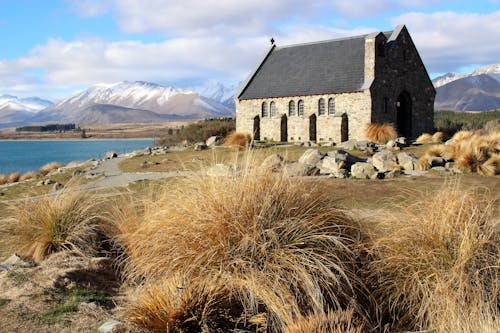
[
  {"x": 380, "y": 133},
  {"x": 38, "y": 227},
  {"x": 14, "y": 177},
  {"x": 238, "y": 140},
  {"x": 277, "y": 245},
  {"x": 436, "y": 263},
  {"x": 3, "y": 179},
  {"x": 199, "y": 131},
  {"x": 44, "y": 170},
  {"x": 438, "y": 137}
]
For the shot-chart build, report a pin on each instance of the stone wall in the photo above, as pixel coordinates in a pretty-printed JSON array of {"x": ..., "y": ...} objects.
[
  {"x": 400, "y": 69},
  {"x": 357, "y": 107}
]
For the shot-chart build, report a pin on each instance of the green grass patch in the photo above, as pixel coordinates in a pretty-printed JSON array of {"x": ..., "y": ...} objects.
[
  {"x": 451, "y": 121},
  {"x": 4, "y": 301}
]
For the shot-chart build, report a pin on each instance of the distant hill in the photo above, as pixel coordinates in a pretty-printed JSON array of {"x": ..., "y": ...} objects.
[
  {"x": 477, "y": 91},
  {"x": 15, "y": 110}
]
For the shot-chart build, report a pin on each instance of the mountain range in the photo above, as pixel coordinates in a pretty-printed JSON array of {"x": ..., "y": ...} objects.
[
  {"x": 123, "y": 102},
  {"x": 476, "y": 91}
]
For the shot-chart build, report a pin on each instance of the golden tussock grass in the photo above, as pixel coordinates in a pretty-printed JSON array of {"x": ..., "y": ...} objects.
[
  {"x": 180, "y": 305},
  {"x": 380, "y": 133},
  {"x": 38, "y": 227},
  {"x": 27, "y": 176},
  {"x": 438, "y": 137},
  {"x": 276, "y": 245},
  {"x": 238, "y": 140},
  {"x": 339, "y": 321},
  {"x": 424, "y": 138},
  {"x": 13, "y": 177},
  {"x": 44, "y": 170},
  {"x": 3, "y": 179},
  {"x": 436, "y": 265}
]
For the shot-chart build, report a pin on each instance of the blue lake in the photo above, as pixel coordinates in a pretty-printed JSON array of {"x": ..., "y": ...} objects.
[{"x": 26, "y": 156}]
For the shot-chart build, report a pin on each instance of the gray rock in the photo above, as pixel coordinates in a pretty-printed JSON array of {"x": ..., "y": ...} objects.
[
  {"x": 342, "y": 173},
  {"x": 336, "y": 160},
  {"x": 436, "y": 161},
  {"x": 311, "y": 157},
  {"x": 57, "y": 187},
  {"x": 220, "y": 170},
  {"x": 78, "y": 172},
  {"x": 200, "y": 146},
  {"x": 392, "y": 174},
  {"x": 363, "y": 170},
  {"x": 14, "y": 260},
  {"x": 272, "y": 163},
  {"x": 298, "y": 169},
  {"x": 110, "y": 155},
  {"x": 391, "y": 144},
  {"x": 109, "y": 326},
  {"x": 440, "y": 169},
  {"x": 384, "y": 161},
  {"x": 407, "y": 161},
  {"x": 48, "y": 181},
  {"x": 402, "y": 141},
  {"x": 213, "y": 141},
  {"x": 349, "y": 144},
  {"x": 449, "y": 165}
]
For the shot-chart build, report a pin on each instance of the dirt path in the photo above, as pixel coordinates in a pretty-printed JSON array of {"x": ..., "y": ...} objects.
[{"x": 114, "y": 177}]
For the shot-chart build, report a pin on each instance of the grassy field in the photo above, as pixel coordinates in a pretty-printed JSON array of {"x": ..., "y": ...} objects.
[{"x": 257, "y": 252}]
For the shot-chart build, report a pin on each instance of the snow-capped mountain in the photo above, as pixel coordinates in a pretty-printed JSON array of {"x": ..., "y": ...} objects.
[
  {"x": 144, "y": 101},
  {"x": 15, "y": 110},
  {"x": 476, "y": 91},
  {"x": 491, "y": 70},
  {"x": 217, "y": 91},
  {"x": 29, "y": 104}
]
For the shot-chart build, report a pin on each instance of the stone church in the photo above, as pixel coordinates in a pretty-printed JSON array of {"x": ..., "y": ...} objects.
[{"x": 328, "y": 91}]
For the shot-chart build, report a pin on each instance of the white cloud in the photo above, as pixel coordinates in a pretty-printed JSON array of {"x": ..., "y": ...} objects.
[
  {"x": 448, "y": 41},
  {"x": 90, "y": 8}
]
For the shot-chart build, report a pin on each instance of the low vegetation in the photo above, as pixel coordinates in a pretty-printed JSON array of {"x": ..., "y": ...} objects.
[
  {"x": 198, "y": 131},
  {"x": 238, "y": 140},
  {"x": 380, "y": 133},
  {"x": 450, "y": 122},
  {"x": 67, "y": 220}
]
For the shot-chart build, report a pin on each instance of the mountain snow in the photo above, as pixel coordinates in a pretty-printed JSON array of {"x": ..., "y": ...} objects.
[
  {"x": 491, "y": 70},
  {"x": 30, "y": 104}
]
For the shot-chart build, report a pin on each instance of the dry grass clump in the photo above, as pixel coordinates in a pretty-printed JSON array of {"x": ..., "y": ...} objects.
[
  {"x": 13, "y": 177},
  {"x": 28, "y": 175},
  {"x": 3, "y": 179},
  {"x": 424, "y": 138},
  {"x": 281, "y": 248},
  {"x": 47, "y": 168},
  {"x": 380, "y": 133},
  {"x": 178, "y": 305},
  {"x": 238, "y": 140},
  {"x": 332, "y": 322},
  {"x": 436, "y": 264},
  {"x": 471, "y": 152},
  {"x": 36, "y": 228}
]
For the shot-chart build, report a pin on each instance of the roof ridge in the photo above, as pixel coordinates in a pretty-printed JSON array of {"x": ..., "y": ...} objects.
[{"x": 327, "y": 40}]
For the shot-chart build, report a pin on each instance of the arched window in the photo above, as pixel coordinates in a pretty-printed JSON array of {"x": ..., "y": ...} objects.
[
  {"x": 331, "y": 106},
  {"x": 291, "y": 108},
  {"x": 321, "y": 106},
  {"x": 273, "y": 108},
  {"x": 301, "y": 107},
  {"x": 264, "y": 110}
]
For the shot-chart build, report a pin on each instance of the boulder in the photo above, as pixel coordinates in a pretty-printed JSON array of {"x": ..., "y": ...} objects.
[
  {"x": 417, "y": 173},
  {"x": 14, "y": 260},
  {"x": 109, "y": 326},
  {"x": 48, "y": 181},
  {"x": 440, "y": 169},
  {"x": 200, "y": 146},
  {"x": 436, "y": 161},
  {"x": 213, "y": 141},
  {"x": 384, "y": 161},
  {"x": 57, "y": 186},
  {"x": 401, "y": 141},
  {"x": 363, "y": 170},
  {"x": 342, "y": 173},
  {"x": 78, "y": 172},
  {"x": 272, "y": 163},
  {"x": 407, "y": 161},
  {"x": 391, "y": 144},
  {"x": 220, "y": 170},
  {"x": 298, "y": 169},
  {"x": 110, "y": 155},
  {"x": 311, "y": 157},
  {"x": 349, "y": 144},
  {"x": 392, "y": 174},
  {"x": 336, "y": 160}
]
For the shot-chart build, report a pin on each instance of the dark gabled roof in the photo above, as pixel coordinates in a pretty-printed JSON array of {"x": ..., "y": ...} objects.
[{"x": 332, "y": 66}]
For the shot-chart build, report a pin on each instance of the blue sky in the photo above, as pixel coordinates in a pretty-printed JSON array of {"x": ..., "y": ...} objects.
[{"x": 53, "y": 48}]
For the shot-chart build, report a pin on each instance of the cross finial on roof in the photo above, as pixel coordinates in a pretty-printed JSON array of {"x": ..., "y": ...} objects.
[{"x": 272, "y": 41}]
